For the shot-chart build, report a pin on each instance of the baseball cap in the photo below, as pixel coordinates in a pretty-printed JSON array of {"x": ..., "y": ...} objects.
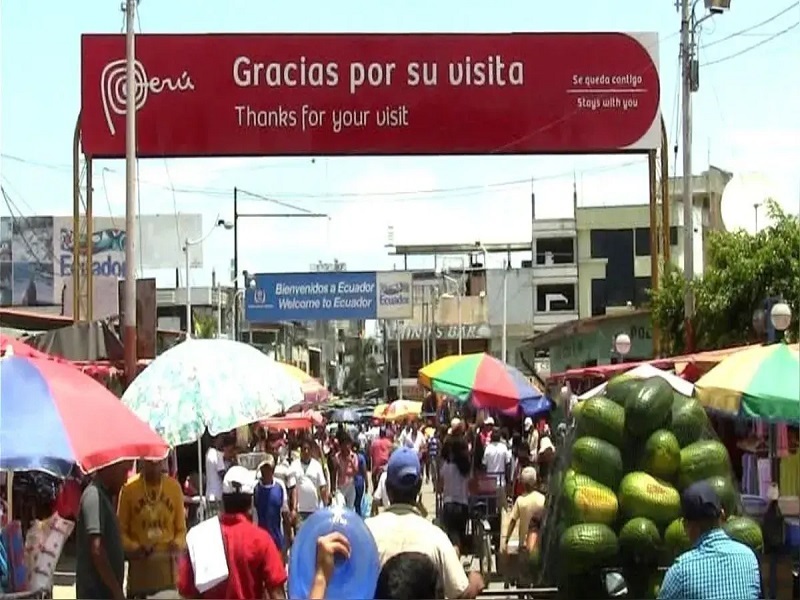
[
  {"x": 700, "y": 501},
  {"x": 403, "y": 469},
  {"x": 527, "y": 423},
  {"x": 238, "y": 480},
  {"x": 488, "y": 421}
]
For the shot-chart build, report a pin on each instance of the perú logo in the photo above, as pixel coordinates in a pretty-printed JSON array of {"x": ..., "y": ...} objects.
[{"x": 114, "y": 88}]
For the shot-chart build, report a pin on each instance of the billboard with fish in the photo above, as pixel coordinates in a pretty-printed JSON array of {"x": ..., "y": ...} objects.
[{"x": 36, "y": 253}]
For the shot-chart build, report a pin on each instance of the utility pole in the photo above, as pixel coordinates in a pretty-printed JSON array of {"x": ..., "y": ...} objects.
[
  {"x": 129, "y": 315},
  {"x": 686, "y": 131}
]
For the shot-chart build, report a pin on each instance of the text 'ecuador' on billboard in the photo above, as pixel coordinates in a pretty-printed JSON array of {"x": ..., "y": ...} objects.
[
  {"x": 329, "y": 296},
  {"x": 373, "y": 94}
]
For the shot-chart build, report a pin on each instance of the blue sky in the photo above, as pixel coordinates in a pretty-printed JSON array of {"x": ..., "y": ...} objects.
[{"x": 746, "y": 119}]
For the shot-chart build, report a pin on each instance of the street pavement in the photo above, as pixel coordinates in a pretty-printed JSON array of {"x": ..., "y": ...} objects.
[{"x": 65, "y": 574}]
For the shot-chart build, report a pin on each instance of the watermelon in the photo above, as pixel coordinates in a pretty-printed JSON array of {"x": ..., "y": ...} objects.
[
  {"x": 745, "y": 531},
  {"x": 598, "y": 459},
  {"x": 621, "y": 387},
  {"x": 703, "y": 459},
  {"x": 689, "y": 419},
  {"x": 676, "y": 540},
  {"x": 726, "y": 492},
  {"x": 587, "y": 501},
  {"x": 650, "y": 408},
  {"x": 587, "y": 546},
  {"x": 642, "y": 495},
  {"x": 662, "y": 455},
  {"x": 600, "y": 417},
  {"x": 640, "y": 541}
]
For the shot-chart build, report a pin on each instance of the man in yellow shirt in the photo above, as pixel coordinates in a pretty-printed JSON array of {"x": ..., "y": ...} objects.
[{"x": 153, "y": 528}]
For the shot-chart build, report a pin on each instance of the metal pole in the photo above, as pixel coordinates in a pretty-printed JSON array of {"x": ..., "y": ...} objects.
[
  {"x": 399, "y": 362},
  {"x": 504, "y": 339},
  {"x": 686, "y": 126},
  {"x": 76, "y": 222},
  {"x": 129, "y": 321},
  {"x": 460, "y": 321},
  {"x": 434, "y": 326},
  {"x": 219, "y": 311},
  {"x": 236, "y": 259},
  {"x": 188, "y": 293}
]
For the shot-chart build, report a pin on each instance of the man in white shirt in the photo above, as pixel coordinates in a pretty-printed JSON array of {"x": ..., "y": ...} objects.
[
  {"x": 401, "y": 528},
  {"x": 216, "y": 465},
  {"x": 311, "y": 489},
  {"x": 413, "y": 438},
  {"x": 380, "y": 499},
  {"x": 496, "y": 460}
]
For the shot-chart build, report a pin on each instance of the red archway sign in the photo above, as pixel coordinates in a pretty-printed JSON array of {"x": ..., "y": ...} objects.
[{"x": 374, "y": 94}]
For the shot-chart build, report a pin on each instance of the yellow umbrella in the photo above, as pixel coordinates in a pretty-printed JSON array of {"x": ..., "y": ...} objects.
[
  {"x": 379, "y": 410},
  {"x": 402, "y": 409}
]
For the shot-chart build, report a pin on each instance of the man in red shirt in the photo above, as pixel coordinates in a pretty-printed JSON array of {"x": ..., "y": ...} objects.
[
  {"x": 379, "y": 452},
  {"x": 255, "y": 566}
]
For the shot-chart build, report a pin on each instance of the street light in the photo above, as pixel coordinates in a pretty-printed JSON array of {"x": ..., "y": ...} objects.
[
  {"x": 781, "y": 316},
  {"x": 689, "y": 83},
  {"x": 251, "y": 283},
  {"x": 186, "y": 245},
  {"x": 622, "y": 344},
  {"x": 457, "y": 284}
]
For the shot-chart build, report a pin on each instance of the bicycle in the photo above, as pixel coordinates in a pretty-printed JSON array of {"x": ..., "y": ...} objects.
[{"x": 481, "y": 539}]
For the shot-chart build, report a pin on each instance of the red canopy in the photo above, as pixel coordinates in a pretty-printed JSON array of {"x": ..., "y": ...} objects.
[{"x": 301, "y": 422}]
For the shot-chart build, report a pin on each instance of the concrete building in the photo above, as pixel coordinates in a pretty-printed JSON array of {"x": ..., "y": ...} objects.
[
  {"x": 440, "y": 312},
  {"x": 614, "y": 274}
]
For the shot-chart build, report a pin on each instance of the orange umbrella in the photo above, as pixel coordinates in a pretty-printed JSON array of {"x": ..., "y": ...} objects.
[
  {"x": 313, "y": 390},
  {"x": 402, "y": 409}
]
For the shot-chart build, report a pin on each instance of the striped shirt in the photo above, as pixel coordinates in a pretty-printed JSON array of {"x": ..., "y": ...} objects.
[
  {"x": 433, "y": 446},
  {"x": 717, "y": 568}
]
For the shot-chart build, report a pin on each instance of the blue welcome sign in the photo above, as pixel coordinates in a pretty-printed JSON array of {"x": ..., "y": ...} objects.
[{"x": 329, "y": 296}]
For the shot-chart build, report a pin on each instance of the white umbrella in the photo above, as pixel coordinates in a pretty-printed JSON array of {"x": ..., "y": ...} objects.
[
  {"x": 646, "y": 371},
  {"x": 213, "y": 384}
]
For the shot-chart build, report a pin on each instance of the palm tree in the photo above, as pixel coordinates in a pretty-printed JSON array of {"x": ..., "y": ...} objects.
[{"x": 205, "y": 327}]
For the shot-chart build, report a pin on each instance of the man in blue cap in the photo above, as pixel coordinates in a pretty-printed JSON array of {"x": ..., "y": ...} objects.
[
  {"x": 401, "y": 529},
  {"x": 716, "y": 566}
]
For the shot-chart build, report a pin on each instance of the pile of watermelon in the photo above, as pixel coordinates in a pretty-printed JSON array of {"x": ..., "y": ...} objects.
[{"x": 634, "y": 449}]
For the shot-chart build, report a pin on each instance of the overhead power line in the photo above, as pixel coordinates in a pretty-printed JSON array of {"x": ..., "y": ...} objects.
[
  {"x": 752, "y": 47},
  {"x": 747, "y": 30}
]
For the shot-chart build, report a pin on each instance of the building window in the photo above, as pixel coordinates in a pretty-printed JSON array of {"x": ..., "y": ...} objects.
[
  {"x": 642, "y": 241},
  {"x": 641, "y": 295},
  {"x": 555, "y": 298},
  {"x": 555, "y": 251},
  {"x": 673, "y": 236},
  {"x": 598, "y": 297}
]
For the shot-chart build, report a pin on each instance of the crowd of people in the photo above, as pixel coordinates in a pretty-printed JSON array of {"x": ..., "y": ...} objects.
[
  {"x": 142, "y": 520},
  {"x": 377, "y": 470}
]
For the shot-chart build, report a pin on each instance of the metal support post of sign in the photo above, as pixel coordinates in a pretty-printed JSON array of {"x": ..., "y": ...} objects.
[
  {"x": 301, "y": 213},
  {"x": 399, "y": 361},
  {"x": 129, "y": 315}
]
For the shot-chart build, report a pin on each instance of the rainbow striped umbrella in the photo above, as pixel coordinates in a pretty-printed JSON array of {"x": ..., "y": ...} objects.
[
  {"x": 488, "y": 382},
  {"x": 761, "y": 382}
]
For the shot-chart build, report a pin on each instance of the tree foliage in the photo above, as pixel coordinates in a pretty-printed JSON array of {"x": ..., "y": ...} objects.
[
  {"x": 741, "y": 272},
  {"x": 205, "y": 326}
]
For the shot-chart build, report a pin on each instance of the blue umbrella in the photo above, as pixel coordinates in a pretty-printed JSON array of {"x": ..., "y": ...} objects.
[
  {"x": 535, "y": 406},
  {"x": 345, "y": 415}
]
